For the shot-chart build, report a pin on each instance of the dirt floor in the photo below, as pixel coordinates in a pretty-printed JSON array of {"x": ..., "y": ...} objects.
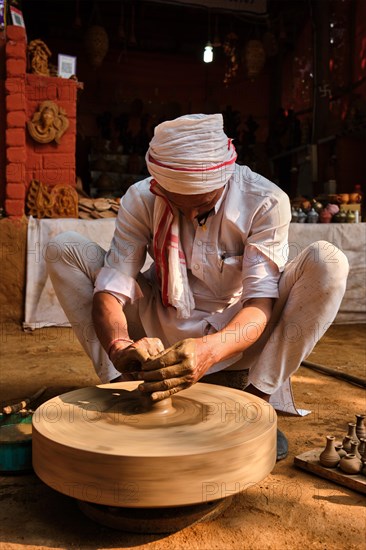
[{"x": 290, "y": 509}]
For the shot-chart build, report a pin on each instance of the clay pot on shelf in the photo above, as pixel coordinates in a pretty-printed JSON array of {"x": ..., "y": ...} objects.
[
  {"x": 350, "y": 464},
  {"x": 317, "y": 206},
  {"x": 343, "y": 198},
  {"x": 354, "y": 449},
  {"x": 360, "y": 426},
  {"x": 355, "y": 198},
  {"x": 340, "y": 217},
  {"x": 329, "y": 458},
  {"x": 362, "y": 446},
  {"x": 352, "y": 431},
  {"x": 306, "y": 206},
  {"x": 294, "y": 215},
  {"x": 340, "y": 450},
  {"x": 351, "y": 217},
  {"x": 313, "y": 216},
  {"x": 301, "y": 216},
  {"x": 325, "y": 216},
  {"x": 333, "y": 208},
  {"x": 346, "y": 443}
]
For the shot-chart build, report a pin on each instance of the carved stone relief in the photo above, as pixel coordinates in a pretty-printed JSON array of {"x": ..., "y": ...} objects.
[
  {"x": 38, "y": 54},
  {"x": 49, "y": 123},
  {"x": 60, "y": 201}
]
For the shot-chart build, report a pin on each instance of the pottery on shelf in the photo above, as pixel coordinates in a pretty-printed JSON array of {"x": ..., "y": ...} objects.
[
  {"x": 340, "y": 217},
  {"x": 340, "y": 450},
  {"x": 294, "y": 215},
  {"x": 350, "y": 464},
  {"x": 354, "y": 449},
  {"x": 351, "y": 217},
  {"x": 360, "y": 426},
  {"x": 301, "y": 216},
  {"x": 329, "y": 458},
  {"x": 343, "y": 198},
  {"x": 347, "y": 443},
  {"x": 312, "y": 216},
  {"x": 333, "y": 208},
  {"x": 325, "y": 215},
  {"x": 355, "y": 197},
  {"x": 352, "y": 431},
  {"x": 362, "y": 446}
]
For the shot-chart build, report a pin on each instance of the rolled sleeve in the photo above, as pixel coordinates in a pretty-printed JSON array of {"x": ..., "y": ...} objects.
[
  {"x": 260, "y": 275},
  {"x": 127, "y": 253},
  {"x": 269, "y": 232},
  {"x": 123, "y": 287}
]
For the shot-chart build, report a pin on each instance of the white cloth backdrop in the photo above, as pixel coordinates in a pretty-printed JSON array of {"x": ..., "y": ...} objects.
[{"x": 42, "y": 308}]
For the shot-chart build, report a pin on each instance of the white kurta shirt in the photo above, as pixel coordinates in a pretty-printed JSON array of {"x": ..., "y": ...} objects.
[{"x": 238, "y": 254}]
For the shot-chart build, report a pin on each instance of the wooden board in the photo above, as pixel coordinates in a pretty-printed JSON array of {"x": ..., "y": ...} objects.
[{"x": 310, "y": 461}]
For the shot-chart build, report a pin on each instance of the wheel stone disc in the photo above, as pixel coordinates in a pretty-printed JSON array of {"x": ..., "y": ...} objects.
[{"x": 107, "y": 445}]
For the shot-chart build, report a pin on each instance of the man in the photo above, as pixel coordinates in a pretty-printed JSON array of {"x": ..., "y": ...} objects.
[{"x": 220, "y": 297}]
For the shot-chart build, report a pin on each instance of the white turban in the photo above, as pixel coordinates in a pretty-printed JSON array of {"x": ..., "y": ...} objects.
[{"x": 191, "y": 154}]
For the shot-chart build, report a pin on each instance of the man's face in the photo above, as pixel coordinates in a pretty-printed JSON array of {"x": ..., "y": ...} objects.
[{"x": 192, "y": 206}]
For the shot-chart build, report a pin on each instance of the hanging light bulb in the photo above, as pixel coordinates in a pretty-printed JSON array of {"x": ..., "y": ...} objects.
[{"x": 208, "y": 53}]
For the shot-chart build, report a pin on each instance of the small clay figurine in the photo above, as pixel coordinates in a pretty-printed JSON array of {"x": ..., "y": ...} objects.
[
  {"x": 39, "y": 54},
  {"x": 49, "y": 123}
]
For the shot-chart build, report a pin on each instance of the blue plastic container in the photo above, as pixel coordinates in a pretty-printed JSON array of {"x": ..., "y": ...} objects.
[{"x": 15, "y": 442}]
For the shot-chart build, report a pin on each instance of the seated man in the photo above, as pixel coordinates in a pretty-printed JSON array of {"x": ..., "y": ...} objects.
[{"x": 220, "y": 296}]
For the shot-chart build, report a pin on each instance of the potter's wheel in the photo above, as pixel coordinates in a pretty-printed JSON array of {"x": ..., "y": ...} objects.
[{"x": 104, "y": 445}]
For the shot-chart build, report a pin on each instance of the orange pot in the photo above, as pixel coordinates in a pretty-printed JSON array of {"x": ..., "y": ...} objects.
[{"x": 343, "y": 198}]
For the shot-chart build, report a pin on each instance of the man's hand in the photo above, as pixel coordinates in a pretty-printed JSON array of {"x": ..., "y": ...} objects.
[
  {"x": 129, "y": 360},
  {"x": 173, "y": 370}
]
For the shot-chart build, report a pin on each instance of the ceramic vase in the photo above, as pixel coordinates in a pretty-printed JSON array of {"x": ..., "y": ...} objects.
[
  {"x": 352, "y": 431},
  {"x": 350, "y": 464},
  {"x": 360, "y": 426},
  {"x": 325, "y": 216},
  {"x": 340, "y": 217},
  {"x": 340, "y": 450},
  {"x": 354, "y": 449},
  {"x": 329, "y": 457},
  {"x": 346, "y": 443},
  {"x": 301, "y": 216},
  {"x": 362, "y": 447},
  {"x": 312, "y": 216},
  {"x": 294, "y": 215},
  {"x": 351, "y": 217}
]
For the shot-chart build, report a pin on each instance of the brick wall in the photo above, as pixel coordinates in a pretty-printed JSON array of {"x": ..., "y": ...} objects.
[{"x": 27, "y": 159}]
